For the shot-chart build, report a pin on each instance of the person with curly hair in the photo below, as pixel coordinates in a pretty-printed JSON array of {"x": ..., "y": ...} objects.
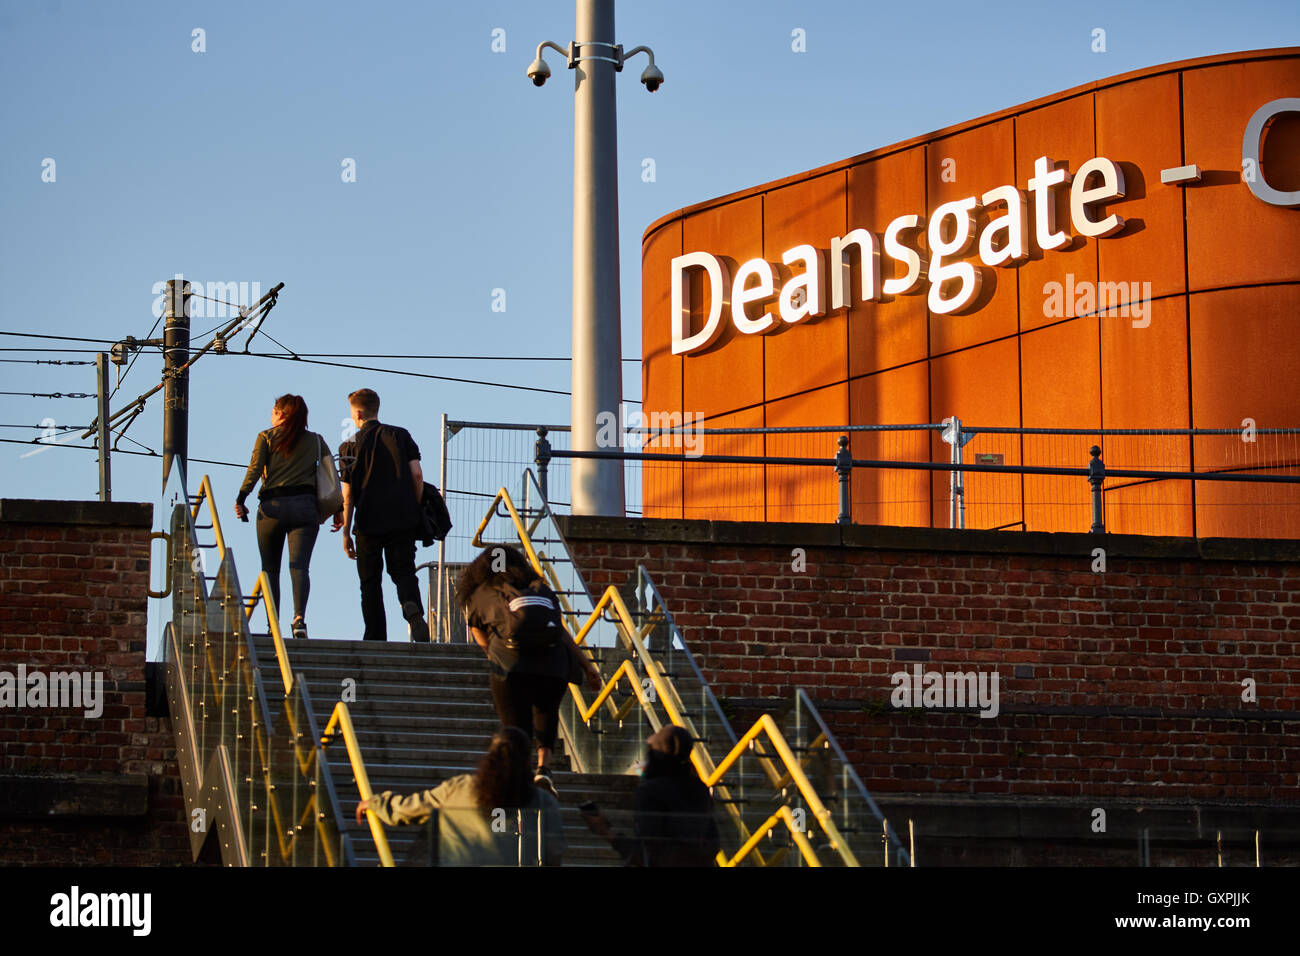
[
  {"x": 528, "y": 679},
  {"x": 478, "y": 812}
]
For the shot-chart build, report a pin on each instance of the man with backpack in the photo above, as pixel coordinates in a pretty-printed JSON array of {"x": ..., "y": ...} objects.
[{"x": 382, "y": 487}]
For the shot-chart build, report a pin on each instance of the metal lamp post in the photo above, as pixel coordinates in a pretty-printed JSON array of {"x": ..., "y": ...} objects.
[{"x": 596, "y": 485}]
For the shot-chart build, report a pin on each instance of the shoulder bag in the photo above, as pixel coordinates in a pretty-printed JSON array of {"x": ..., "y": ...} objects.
[{"x": 329, "y": 491}]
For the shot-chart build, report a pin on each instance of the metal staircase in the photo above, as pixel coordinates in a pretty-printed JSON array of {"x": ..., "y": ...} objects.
[
  {"x": 278, "y": 740},
  {"x": 421, "y": 714}
]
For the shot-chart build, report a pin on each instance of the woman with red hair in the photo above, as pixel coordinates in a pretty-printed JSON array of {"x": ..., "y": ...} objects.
[{"x": 285, "y": 457}]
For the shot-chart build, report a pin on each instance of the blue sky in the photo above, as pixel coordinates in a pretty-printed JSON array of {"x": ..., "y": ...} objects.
[{"x": 225, "y": 166}]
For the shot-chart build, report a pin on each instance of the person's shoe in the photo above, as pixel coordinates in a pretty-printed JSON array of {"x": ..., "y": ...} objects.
[
  {"x": 299, "y": 628},
  {"x": 543, "y": 780},
  {"x": 416, "y": 625}
]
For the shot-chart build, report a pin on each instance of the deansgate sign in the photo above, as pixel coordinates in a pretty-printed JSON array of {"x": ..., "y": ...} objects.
[{"x": 824, "y": 282}]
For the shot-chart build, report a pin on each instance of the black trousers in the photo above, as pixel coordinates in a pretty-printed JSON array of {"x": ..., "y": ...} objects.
[
  {"x": 530, "y": 702},
  {"x": 398, "y": 549},
  {"x": 293, "y": 518}
]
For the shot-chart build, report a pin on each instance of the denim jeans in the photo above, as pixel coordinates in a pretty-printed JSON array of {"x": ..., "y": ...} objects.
[{"x": 294, "y": 517}]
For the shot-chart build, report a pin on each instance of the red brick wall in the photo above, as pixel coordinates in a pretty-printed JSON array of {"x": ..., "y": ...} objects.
[
  {"x": 1126, "y": 684},
  {"x": 73, "y": 580}
]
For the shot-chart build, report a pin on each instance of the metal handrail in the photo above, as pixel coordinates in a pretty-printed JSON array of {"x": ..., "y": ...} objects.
[
  {"x": 709, "y": 772},
  {"x": 579, "y": 633},
  {"x": 262, "y": 592}
]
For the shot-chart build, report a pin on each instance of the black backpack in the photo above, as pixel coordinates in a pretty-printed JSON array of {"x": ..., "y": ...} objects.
[{"x": 530, "y": 618}]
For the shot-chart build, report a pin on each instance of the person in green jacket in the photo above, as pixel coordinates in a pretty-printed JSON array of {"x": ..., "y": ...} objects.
[
  {"x": 479, "y": 818},
  {"x": 285, "y": 457}
]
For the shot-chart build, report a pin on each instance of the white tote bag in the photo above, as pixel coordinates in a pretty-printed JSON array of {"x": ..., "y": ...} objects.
[{"x": 329, "y": 490}]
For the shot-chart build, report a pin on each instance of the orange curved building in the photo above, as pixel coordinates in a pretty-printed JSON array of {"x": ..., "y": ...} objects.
[{"x": 1119, "y": 255}]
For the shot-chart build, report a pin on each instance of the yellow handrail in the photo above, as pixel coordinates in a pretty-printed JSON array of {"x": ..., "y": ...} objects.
[
  {"x": 205, "y": 494},
  {"x": 262, "y": 592},
  {"x": 667, "y": 693},
  {"x": 801, "y": 781},
  {"x": 344, "y": 721},
  {"x": 782, "y": 815}
]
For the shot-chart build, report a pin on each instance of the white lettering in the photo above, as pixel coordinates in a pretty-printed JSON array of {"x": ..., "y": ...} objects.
[
  {"x": 719, "y": 289},
  {"x": 900, "y": 251},
  {"x": 1015, "y": 224},
  {"x": 1112, "y": 187},
  {"x": 868, "y": 247},
  {"x": 759, "y": 294},
  {"x": 967, "y": 277},
  {"x": 810, "y": 282},
  {"x": 1046, "y": 176}
]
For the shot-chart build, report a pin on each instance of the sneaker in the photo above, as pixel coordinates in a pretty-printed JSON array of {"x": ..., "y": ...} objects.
[
  {"x": 416, "y": 626},
  {"x": 299, "y": 628},
  {"x": 543, "y": 781}
]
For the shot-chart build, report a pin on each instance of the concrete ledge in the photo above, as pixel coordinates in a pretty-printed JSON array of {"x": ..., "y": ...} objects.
[
  {"x": 961, "y": 816},
  {"x": 880, "y": 710},
  {"x": 120, "y": 514},
  {"x": 40, "y": 796},
  {"x": 889, "y": 538}
]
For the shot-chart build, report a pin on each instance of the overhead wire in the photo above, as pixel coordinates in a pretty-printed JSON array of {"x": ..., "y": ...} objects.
[
  {"x": 41, "y": 348},
  {"x": 317, "y": 359},
  {"x": 60, "y": 428},
  {"x": 61, "y": 338},
  {"x": 42, "y": 361},
  {"x": 394, "y": 371},
  {"x": 121, "y": 451},
  {"x": 52, "y": 394},
  {"x": 449, "y": 358}
]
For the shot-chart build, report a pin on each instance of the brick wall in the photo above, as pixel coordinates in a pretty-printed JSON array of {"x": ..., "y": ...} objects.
[
  {"x": 78, "y": 789},
  {"x": 1123, "y": 685}
]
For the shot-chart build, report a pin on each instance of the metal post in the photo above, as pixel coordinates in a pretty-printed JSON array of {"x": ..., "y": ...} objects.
[
  {"x": 954, "y": 436},
  {"x": 542, "y": 457},
  {"x": 844, "y": 468},
  {"x": 176, "y": 391},
  {"x": 956, "y": 488},
  {"x": 1096, "y": 475},
  {"x": 596, "y": 486},
  {"x": 435, "y": 838},
  {"x": 443, "y": 632},
  {"x": 101, "y": 396},
  {"x": 961, "y": 476}
]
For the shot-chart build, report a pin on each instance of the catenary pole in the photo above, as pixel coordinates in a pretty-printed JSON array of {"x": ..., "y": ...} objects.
[
  {"x": 176, "y": 377},
  {"x": 101, "y": 399}
]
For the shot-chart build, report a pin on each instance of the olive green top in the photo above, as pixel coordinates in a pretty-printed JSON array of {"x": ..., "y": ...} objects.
[{"x": 280, "y": 469}]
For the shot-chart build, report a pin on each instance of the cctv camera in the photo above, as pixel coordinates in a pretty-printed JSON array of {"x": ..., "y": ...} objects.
[
  {"x": 652, "y": 78},
  {"x": 538, "y": 71}
]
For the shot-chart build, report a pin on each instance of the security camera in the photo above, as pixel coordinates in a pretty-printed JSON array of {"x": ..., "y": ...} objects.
[
  {"x": 538, "y": 71},
  {"x": 652, "y": 78}
]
